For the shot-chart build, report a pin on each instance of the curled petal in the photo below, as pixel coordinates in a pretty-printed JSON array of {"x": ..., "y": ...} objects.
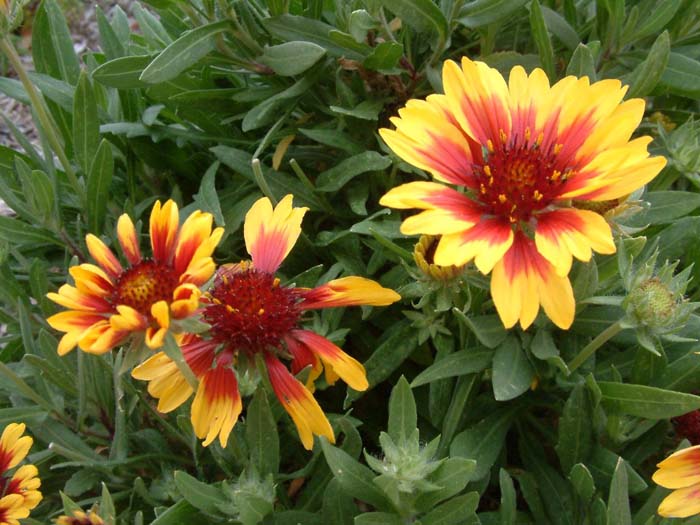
[
  {"x": 349, "y": 291},
  {"x": 103, "y": 256},
  {"x": 13, "y": 446},
  {"x": 299, "y": 404},
  {"x": 216, "y": 406},
  {"x": 129, "y": 241},
  {"x": 166, "y": 383},
  {"x": 164, "y": 224},
  {"x": 344, "y": 366},
  {"x": 271, "y": 233}
]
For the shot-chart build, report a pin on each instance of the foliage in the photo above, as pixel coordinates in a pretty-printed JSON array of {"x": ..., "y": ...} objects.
[{"x": 216, "y": 102}]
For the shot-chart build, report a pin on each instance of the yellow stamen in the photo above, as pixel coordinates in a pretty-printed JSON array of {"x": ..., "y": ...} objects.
[
  {"x": 540, "y": 138},
  {"x": 502, "y": 135},
  {"x": 276, "y": 282},
  {"x": 489, "y": 145},
  {"x": 537, "y": 195},
  {"x": 527, "y": 134},
  {"x": 482, "y": 188},
  {"x": 261, "y": 311},
  {"x": 231, "y": 309},
  {"x": 502, "y": 198},
  {"x": 558, "y": 148},
  {"x": 487, "y": 170},
  {"x": 555, "y": 175}
]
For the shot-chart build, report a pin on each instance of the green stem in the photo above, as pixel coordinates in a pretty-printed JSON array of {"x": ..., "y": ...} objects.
[
  {"x": 602, "y": 338},
  {"x": 42, "y": 113},
  {"x": 261, "y": 182}
]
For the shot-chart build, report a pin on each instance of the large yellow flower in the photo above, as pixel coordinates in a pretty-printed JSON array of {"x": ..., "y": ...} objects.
[
  {"x": 251, "y": 313},
  {"x": 524, "y": 157},
  {"x": 680, "y": 471},
  {"x": 19, "y": 492},
  {"x": 110, "y": 302}
]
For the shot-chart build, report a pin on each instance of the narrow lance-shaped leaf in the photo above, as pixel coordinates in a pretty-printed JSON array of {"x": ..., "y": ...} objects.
[{"x": 183, "y": 53}]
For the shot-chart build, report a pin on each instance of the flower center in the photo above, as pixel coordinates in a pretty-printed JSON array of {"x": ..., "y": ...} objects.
[
  {"x": 519, "y": 177},
  {"x": 250, "y": 311},
  {"x": 145, "y": 284}
]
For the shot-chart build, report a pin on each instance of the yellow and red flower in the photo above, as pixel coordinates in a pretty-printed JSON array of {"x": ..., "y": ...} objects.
[
  {"x": 250, "y": 314},
  {"x": 78, "y": 517},
  {"x": 110, "y": 302},
  {"x": 521, "y": 155},
  {"x": 19, "y": 491},
  {"x": 681, "y": 472}
]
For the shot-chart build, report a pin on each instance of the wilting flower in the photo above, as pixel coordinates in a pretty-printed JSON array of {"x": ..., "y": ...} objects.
[
  {"x": 110, "y": 302},
  {"x": 251, "y": 314},
  {"x": 681, "y": 472},
  {"x": 19, "y": 490},
  {"x": 522, "y": 155},
  {"x": 78, "y": 517}
]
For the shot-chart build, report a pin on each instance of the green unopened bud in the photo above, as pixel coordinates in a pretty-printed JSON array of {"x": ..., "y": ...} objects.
[
  {"x": 683, "y": 145},
  {"x": 406, "y": 467},
  {"x": 652, "y": 303}
]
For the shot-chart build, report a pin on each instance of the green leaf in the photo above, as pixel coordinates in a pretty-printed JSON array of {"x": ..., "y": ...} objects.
[
  {"x": 86, "y": 128},
  {"x": 109, "y": 41},
  {"x": 21, "y": 234},
  {"x": 378, "y": 518},
  {"x": 207, "y": 198},
  {"x": 683, "y": 375},
  {"x": 400, "y": 342},
  {"x": 512, "y": 372},
  {"x": 479, "y": 13},
  {"x": 422, "y": 15},
  {"x": 52, "y": 46},
  {"x": 488, "y": 329},
  {"x": 123, "y": 73},
  {"x": 81, "y": 481},
  {"x": 647, "y": 74},
  {"x": 338, "y": 506},
  {"x": 560, "y": 28},
  {"x": 451, "y": 476},
  {"x": 200, "y": 495},
  {"x": 460, "y": 363},
  {"x": 403, "y": 420},
  {"x": 98, "y": 185},
  {"x": 181, "y": 512},
  {"x": 618, "y": 501},
  {"x": 294, "y": 28},
  {"x": 292, "y": 58},
  {"x": 582, "y": 63},
  {"x": 454, "y": 511},
  {"x": 657, "y": 18},
  {"x": 107, "y": 510},
  {"x": 541, "y": 38},
  {"x": 183, "y": 53},
  {"x": 681, "y": 76},
  {"x": 338, "y": 176},
  {"x": 508, "y": 504},
  {"x": 582, "y": 481},
  {"x": 384, "y": 57},
  {"x": 646, "y": 401},
  {"x": 356, "y": 479},
  {"x": 483, "y": 441},
  {"x": 39, "y": 193},
  {"x": 365, "y": 110},
  {"x": 602, "y": 465},
  {"x": 665, "y": 207},
  {"x": 575, "y": 430},
  {"x": 261, "y": 435},
  {"x": 336, "y": 139}
]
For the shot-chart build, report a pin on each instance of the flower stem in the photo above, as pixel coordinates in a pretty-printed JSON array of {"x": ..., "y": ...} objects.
[
  {"x": 42, "y": 112},
  {"x": 602, "y": 338}
]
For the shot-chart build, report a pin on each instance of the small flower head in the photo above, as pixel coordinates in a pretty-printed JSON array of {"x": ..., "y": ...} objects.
[
  {"x": 19, "y": 490},
  {"x": 253, "y": 316},
  {"x": 424, "y": 256},
  {"x": 681, "y": 472},
  {"x": 111, "y": 302},
  {"x": 655, "y": 296},
  {"x": 78, "y": 517},
  {"x": 519, "y": 153}
]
